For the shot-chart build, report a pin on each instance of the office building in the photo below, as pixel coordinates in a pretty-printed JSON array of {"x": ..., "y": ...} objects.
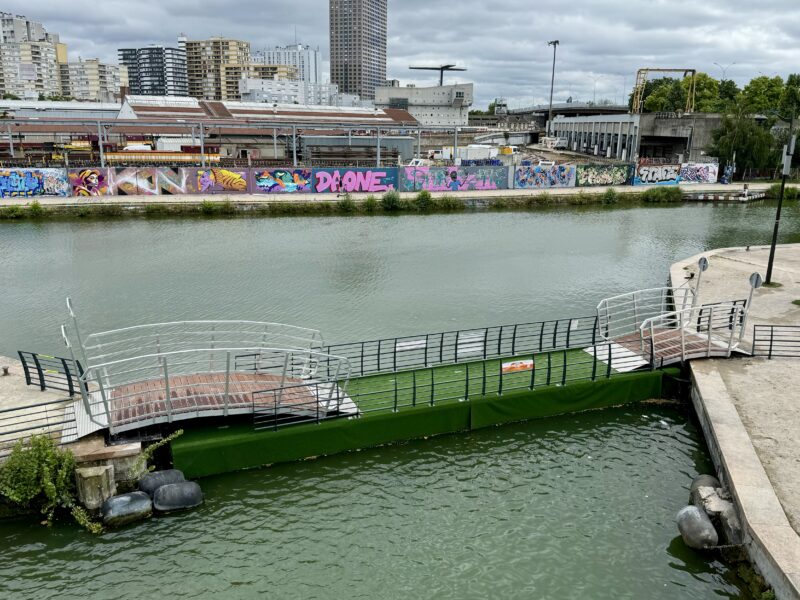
[
  {"x": 204, "y": 65},
  {"x": 155, "y": 70},
  {"x": 440, "y": 106},
  {"x": 358, "y": 45},
  {"x": 305, "y": 59}
]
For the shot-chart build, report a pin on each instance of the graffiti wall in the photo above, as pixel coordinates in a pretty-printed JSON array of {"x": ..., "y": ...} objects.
[
  {"x": 280, "y": 181},
  {"x": 588, "y": 175},
  {"x": 453, "y": 179},
  {"x": 27, "y": 183},
  {"x": 221, "y": 181},
  {"x": 354, "y": 180},
  {"x": 647, "y": 174},
  {"x": 89, "y": 182},
  {"x": 544, "y": 177},
  {"x": 699, "y": 172}
]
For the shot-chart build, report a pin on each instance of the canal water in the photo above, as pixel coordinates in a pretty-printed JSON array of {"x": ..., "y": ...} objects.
[{"x": 578, "y": 506}]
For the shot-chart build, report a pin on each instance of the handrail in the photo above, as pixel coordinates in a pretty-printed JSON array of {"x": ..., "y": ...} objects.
[
  {"x": 622, "y": 315},
  {"x": 776, "y": 341}
]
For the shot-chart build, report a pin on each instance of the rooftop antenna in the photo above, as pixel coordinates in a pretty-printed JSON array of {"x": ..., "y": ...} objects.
[{"x": 441, "y": 69}]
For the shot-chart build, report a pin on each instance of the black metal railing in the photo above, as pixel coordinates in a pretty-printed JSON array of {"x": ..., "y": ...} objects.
[
  {"x": 51, "y": 372},
  {"x": 776, "y": 341},
  {"x": 432, "y": 386},
  {"x": 452, "y": 347},
  {"x": 55, "y": 419}
]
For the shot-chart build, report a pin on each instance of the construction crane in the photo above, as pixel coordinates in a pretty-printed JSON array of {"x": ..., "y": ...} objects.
[
  {"x": 441, "y": 69},
  {"x": 641, "y": 83}
]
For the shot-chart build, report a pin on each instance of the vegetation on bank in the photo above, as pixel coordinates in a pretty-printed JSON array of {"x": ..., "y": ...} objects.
[
  {"x": 389, "y": 203},
  {"x": 39, "y": 477}
]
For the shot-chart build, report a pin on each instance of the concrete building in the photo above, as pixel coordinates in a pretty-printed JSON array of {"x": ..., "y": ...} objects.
[
  {"x": 204, "y": 65},
  {"x": 91, "y": 80},
  {"x": 669, "y": 136},
  {"x": 305, "y": 59},
  {"x": 28, "y": 58},
  {"x": 233, "y": 74},
  {"x": 358, "y": 45},
  {"x": 155, "y": 70},
  {"x": 440, "y": 106},
  {"x": 294, "y": 92}
]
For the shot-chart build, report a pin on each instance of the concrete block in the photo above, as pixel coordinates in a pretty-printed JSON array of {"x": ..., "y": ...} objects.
[{"x": 95, "y": 485}]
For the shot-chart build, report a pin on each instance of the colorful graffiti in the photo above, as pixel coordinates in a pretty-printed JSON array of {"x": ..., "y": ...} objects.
[
  {"x": 647, "y": 174},
  {"x": 588, "y": 175},
  {"x": 26, "y": 183},
  {"x": 544, "y": 177},
  {"x": 214, "y": 181},
  {"x": 89, "y": 182},
  {"x": 699, "y": 172},
  {"x": 280, "y": 181},
  {"x": 174, "y": 182},
  {"x": 454, "y": 179},
  {"x": 354, "y": 180}
]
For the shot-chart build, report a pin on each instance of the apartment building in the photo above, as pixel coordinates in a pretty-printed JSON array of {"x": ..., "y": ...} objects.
[
  {"x": 305, "y": 59},
  {"x": 358, "y": 45},
  {"x": 205, "y": 60}
]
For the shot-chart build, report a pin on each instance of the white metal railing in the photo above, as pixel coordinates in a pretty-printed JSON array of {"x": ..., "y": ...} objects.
[
  {"x": 623, "y": 315},
  {"x": 698, "y": 332},
  {"x": 160, "y": 387}
]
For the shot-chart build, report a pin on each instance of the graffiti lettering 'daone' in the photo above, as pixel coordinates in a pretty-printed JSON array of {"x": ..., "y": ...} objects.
[
  {"x": 588, "y": 175},
  {"x": 545, "y": 177},
  {"x": 89, "y": 182},
  {"x": 453, "y": 179},
  {"x": 221, "y": 180},
  {"x": 699, "y": 172},
  {"x": 657, "y": 174},
  {"x": 26, "y": 183},
  {"x": 354, "y": 180},
  {"x": 286, "y": 181}
]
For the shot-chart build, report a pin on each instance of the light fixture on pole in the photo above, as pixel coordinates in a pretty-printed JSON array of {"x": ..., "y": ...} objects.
[
  {"x": 724, "y": 70},
  {"x": 554, "y": 44}
]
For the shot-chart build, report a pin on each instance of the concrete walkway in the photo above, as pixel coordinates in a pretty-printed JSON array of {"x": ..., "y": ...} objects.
[
  {"x": 749, "y": 409},
  {"x": 475, "y": 195}
]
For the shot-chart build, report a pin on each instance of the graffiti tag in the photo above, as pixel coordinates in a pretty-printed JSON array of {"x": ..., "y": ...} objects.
[
  {"x": 354, "y": 181},
  {"x": 658, "y": 174}
]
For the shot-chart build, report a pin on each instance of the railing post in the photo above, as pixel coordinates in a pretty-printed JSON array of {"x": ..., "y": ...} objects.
[
  {"x": 594, "y": 331},
  {"x": 485, "y": 342},
  {"x": 500, "y": 382},
  {"x": 569, "y": 331},
  {"x": 379, "y": 356},
  {"x": 458, "y": 335},
  {"x": 533, "y": 371},
  {"x": 275, "y": 409},
  {"x": 549, "y": 366},
  {"x": 316, "y": 394},
  {"x": 25, "y": 368},
  {"x": 168, "y": 401},
  {"x": 652, "y": 348},
  {"x": 564, "y": 371},
  {"x": 432, "y": 386},
  {"x": 39, "y": 371},
  {"x": 70, "y": 385},
  {"x": 514, "y": 342},
  {"x": 555, "y": 335},
  {"x": 362, "y": 358},
  {"x": 394, "y": 356},
  {"x": 226, "y": 398},
  {"x": 466, "y": 385},
  {"x": 683, "y": 340},
  {"x": 500, "y": 342},
  {"x": 426, "y": 350},
  {"x": 395, "y": 394},
  {"x": 483, "y": 379},
  {"x": 710, "y": 328},
  {"x": 541, "y": 337},
  {"x": 414, "y": 386},
  {"x": 771, "y": 339},
  {"x": 610, "y": 360},
  {"x": 283, "y": 378},
  {"x": 594, "y": 363}
]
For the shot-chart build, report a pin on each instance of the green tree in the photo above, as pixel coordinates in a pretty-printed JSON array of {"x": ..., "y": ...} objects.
[
  {"x": 728, "y": 92},
  {"x": 707, "y": 93},
  {"x": 740, "y": 134},
  {"x": 790, "y": 98},
  {"x": 763, "y": 94}
]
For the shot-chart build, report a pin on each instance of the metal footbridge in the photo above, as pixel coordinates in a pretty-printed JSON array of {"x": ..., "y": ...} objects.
[{"x": 149, "y": 376}]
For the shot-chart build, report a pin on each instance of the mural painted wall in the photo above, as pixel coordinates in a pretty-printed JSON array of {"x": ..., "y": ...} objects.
[
  {"x": 699, "y": 172},
  {"x": 544, "y": 177},
  {"x": 354, "y": 180},
  {"x": 28, "y": 183},
  {"x": 89, "y": 182},
  {"x": 280, "y": 181},
  {"x": 647, "y": 174},
  {"x": 221, "y": 181},
  {"x": 588, "y": 175},
  {"x": 453, "y": 179}
]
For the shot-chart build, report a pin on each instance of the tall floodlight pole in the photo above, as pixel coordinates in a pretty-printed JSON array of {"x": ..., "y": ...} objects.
[
  {"x": 554, "y": 44},
  {"x": 788, "y": 152}
]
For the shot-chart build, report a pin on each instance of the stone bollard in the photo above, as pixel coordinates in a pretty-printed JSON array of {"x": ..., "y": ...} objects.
[
  {"x": 696, "y": 528},
  {"x": 95, "y": 485},
  {"x": 5, "y": 371}
]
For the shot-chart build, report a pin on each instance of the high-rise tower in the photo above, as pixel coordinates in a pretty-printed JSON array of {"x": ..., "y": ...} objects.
[{"x": 358, "y": 45}]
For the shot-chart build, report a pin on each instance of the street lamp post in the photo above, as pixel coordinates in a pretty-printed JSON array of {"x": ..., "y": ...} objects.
[
  {"x": 724, "y": 69},
  {"x": 554, "y": 44},
  {"x": 788, "y": 152}
]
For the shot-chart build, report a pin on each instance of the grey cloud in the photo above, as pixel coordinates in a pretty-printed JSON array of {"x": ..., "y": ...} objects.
[{"x": 502, "y": 44}]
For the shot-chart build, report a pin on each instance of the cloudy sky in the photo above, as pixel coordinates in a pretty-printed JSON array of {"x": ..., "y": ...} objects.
[{"x": 503, "y": 44}]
